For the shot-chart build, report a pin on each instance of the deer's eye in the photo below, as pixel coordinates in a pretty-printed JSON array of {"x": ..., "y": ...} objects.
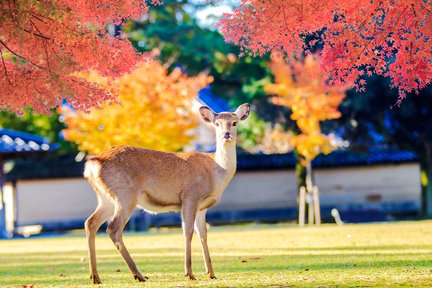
[{"x": 234, "y": 123}]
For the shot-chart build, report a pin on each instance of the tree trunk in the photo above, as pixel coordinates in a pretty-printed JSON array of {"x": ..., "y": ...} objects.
[
  {"x": 309, "y": 189},
  {"x": 426, "y": 180},
  {"x": 300, "y": 172}
]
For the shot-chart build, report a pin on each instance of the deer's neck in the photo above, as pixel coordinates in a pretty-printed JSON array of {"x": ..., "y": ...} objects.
[{"x": 226, "y": 157}]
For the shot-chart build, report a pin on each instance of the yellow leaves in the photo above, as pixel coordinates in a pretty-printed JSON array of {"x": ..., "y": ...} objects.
[
  {"x": 311, "y": 145},
  {"x": 153, "y": 111},
  {"x": 300, "y": 86},
  {"x": 308, "y": 125}
]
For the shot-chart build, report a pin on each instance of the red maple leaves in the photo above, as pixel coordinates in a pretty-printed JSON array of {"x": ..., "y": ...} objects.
[
  {"x": 359, "y": 38},
  {"x": 43, "y": 43}
]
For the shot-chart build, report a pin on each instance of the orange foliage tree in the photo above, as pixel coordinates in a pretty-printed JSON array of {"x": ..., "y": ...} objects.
[
  {"x": 300, "y": 87},
  {"x": 154, "y": 111}
]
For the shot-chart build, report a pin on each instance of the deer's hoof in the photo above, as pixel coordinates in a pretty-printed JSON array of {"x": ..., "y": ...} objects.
[
  {"x": 212, "y": 277},
  {"x": 140, "y": 278},
  {"x": 191, "y": 276},
  {"x": 95, "y": 278}
]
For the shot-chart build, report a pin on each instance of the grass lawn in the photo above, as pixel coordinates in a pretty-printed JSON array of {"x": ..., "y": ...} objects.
[{"x": 369, "y": 255}]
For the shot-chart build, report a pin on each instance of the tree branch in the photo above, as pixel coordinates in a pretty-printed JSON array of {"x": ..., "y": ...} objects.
[
  {"x": 4, "y": 67},
  {"x": 171, "y": 60},
  {"x": 37, "y": 35},
  {"x": 40, "y": 19},
  {"x": 44, "y": 45},
  {"x": 22, "y": 57},
  {"x": 373, "y": 38}
]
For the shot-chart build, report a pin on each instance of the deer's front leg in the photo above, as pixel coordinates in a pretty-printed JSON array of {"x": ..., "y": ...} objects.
[
  {"x": 201, "y": 230},
  {"x": 189, "y": 211}
]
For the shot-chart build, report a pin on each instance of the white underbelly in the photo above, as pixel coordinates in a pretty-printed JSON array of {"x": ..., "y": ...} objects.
[{"x": 153, "y": 209}]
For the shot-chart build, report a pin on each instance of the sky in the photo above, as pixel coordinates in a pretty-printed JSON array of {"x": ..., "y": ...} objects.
[{"x": 208, "y": 14}]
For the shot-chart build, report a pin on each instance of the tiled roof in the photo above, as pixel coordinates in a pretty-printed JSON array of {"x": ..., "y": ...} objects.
[
  {"x": 346, "y": 157},
  {"x": 53, "y": 166},
  {"x": 15, "y": 142},
  {"x": 49, "y": 165},
  {"x": 217, "y": 104},
  {"x": 336, "y": 159}
]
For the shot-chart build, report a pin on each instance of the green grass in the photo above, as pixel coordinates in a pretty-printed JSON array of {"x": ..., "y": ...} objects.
[{"x": 370, "y": 255}]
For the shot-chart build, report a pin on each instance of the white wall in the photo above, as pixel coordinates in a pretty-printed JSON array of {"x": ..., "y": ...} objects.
[
  {"x": 260, "y": 189},
  {"x": 339, "y": 187},
  {"x": 53, "y": 200},
  {"x": 368, "y": 184},
  {"x": 73, "y": 199}
]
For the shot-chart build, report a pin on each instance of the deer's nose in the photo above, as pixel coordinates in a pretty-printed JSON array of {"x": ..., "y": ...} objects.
[{"x": 227, "y": 135}]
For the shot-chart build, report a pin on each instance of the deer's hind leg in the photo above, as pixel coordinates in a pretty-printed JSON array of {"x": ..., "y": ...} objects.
[
  {"x": 122, "y": 214},
  {"x": 103, "y": 212}
]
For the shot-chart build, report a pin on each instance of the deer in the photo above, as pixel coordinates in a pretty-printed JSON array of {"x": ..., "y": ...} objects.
[{"x": 125, "y": 177}]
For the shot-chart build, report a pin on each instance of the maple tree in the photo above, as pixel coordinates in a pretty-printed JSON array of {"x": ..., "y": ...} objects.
[
  {"x": 154, "y": 111},
  {"x": 44, "y": 43},
  {"x": 299, "y": 87},
  {"x": 389, "y": 37}
]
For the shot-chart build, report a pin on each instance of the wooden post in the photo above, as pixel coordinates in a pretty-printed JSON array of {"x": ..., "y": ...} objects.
[
  {"x": 309, "y": 196},
  {"x": 310, "y": 202},
  {"x": 302, "y": 206},
  {"x": 316, "y": 206}
]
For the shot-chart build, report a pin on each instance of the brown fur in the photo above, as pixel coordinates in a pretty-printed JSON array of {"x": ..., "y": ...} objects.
[
  {"x": 185, "y": 170},
  {"x": 126, "y": 176}
]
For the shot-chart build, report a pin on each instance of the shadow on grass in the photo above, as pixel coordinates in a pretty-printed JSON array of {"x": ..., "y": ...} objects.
[
  {"x": 357, "y": 248},
  {"x": 230, "y": 263},
  {"x": 308, "y": 263},
  {"x": 62, "y": 269},
  {"x": 68, "y": 269}
]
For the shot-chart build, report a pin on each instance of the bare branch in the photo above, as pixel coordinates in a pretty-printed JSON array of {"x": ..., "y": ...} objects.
[
  {"x": 40, "y": 19},
  {"x": 36, "y": 34},
  {"x": 44, "y": 46},
  {"x": 22, "y": 57},
  {"x": 171, "y": 60}
]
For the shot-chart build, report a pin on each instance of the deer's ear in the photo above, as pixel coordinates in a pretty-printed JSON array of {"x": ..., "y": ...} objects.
[
  {"x": 243, "y": 111},
  {"x": 207, "y": 114}
]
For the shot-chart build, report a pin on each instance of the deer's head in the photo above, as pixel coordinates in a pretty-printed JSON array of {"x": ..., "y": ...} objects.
[{"x": 225, "y": 122}]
